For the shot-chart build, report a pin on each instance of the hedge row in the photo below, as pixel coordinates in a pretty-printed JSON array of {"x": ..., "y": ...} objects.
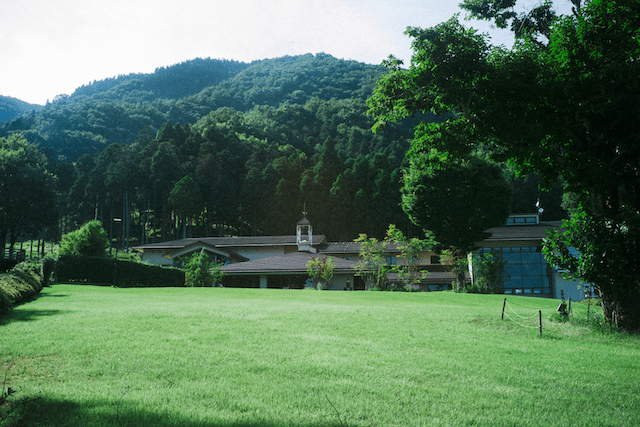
[
  {"x": 125, "y": 274},
  {"x": 24, "y": 281}
]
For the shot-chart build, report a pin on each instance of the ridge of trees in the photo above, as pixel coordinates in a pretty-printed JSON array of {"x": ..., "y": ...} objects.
[
  {"x": 11, "y": 108},
  {"x": 115, "y": 110}
]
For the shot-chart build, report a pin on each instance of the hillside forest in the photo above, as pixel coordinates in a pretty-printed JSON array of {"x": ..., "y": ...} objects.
[{"x": 216, "y": 147}]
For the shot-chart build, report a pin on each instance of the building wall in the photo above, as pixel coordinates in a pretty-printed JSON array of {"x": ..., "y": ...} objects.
[
  {"x": 339, "y": 282},
  {"x": 569, "y": 288},
  {"x": 156, "y": 258}
]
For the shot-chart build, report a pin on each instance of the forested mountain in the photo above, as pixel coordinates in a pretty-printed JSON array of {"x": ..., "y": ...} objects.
[
  {"x": 116, "y": 110},
  {"x": 173, "y": 82},
  {"x": 212, "y": 147},
  {"x": 10, "y": 108}
]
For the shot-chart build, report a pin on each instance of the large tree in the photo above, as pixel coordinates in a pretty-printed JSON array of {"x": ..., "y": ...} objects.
[
  {"x": 562, "y": 101},
  {"x": 28, "y": 199},
  {"x": 456, "y": 199}
]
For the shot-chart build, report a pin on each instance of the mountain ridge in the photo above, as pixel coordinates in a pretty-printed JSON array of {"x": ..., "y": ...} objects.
[
  {"x": 117, "y": 109},
  {"x": 11, "y": 108}
]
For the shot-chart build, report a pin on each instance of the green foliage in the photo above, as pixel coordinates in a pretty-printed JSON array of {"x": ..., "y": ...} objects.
[
  {"x": 321, "y": 270},
  {"x": 5, "y": 300},
  {"x": 47, "y": 268},
  {"x": 411, "y": 250},
  {"x": 89, "y": 240},
  {"x": 488, "y": 274},
  {"x": 27, "y": 190},
  {"x": 30, "y": 273},
  {"x": 199, "y": 271},
  {"x": 20, "y": 284},
  {"x": 455, "y": 199},
  {"x": 11, "y": 108},
  {"x": 455, "y": 261},
  {"x": 186, "y": 198},
  {"x": 116, "y": 110},
  {"x": 372, "y": 267},
  {"x": 537, "y": 21},
  {"x": 249, "y": 173},
  {"x": 122, "y": 273},
  {"x": 551, "y": 104}
]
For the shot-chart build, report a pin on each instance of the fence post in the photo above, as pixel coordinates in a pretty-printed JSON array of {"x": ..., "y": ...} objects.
[
  {"x": 504, "y": 303},
  {"x": 540, "y": 320}
]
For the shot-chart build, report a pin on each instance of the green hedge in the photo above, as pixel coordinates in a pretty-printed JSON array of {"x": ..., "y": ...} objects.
[
  {"x": 22, "y": 282},
  {"x": 125, "y": 274}
]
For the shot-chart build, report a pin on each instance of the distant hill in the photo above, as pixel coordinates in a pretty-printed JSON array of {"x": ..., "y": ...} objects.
[
  {"x": 10, "y": 108},
  {"x": 172, "y": 82},
  {"x": 119, "y": 108}
]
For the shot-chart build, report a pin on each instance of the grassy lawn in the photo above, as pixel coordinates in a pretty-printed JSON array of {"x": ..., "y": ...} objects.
[{"x": 100, "y": 356}]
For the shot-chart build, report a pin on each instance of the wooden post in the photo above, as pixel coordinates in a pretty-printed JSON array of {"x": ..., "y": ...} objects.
[
  {"x": 540, "y": 320},
  {"x": 569, "y": 311},
  {"x": 504, "y": 303},
  {"x": 115, "y": 267}
]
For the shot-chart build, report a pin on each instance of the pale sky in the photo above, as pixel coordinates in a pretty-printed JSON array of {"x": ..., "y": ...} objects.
[{"x": 51, "y": 47}]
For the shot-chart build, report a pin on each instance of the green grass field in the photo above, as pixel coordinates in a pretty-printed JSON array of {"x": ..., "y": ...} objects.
[{"x": 100, "y": 356}]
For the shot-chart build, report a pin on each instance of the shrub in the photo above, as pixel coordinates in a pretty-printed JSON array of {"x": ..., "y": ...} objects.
[
  {"x": 321, "y": 271},
  {"x": 101, "y": 270},
  {"x": 18, "y": 285},
  {"x": 29, "y": 272},
  {"x": 24, "y": 281},
  {"x": 5, "y": 302},
  {"x": 88, "y": 240},
  {"x": 199, "y": 271}
]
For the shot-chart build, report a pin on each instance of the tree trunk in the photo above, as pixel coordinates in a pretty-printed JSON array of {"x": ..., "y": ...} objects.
[{"x": 622, "y": 309}]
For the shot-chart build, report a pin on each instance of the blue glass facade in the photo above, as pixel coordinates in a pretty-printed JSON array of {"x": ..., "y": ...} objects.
[{"x": 526, "y": 270}]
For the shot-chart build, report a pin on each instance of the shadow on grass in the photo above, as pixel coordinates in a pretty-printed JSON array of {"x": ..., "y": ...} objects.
[
  {"x": 59, "y": 412},
  {"x": 22, "y": 315}
]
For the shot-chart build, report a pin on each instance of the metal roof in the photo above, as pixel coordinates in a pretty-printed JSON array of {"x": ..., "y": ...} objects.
[
  {"x": 224, "y": 242},
  {"x": 516, "y": 233},
  {"x": 294, "y": 262}
]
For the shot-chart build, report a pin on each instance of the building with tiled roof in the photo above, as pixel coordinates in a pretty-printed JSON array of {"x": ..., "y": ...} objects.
[{"x": 281, "y": 261}]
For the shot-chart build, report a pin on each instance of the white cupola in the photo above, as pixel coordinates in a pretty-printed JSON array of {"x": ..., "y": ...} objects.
[{"x": 304, "y": 236}]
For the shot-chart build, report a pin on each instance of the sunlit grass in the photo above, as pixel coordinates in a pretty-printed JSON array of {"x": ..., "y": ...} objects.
[{"x": 98, "y": 356}]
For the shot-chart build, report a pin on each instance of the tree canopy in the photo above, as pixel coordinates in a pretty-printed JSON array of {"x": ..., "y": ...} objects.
[
  {"x": 456, "y": 199},
  {"x": 28, "y": 198},
  {"x": 559, "y": 102}
]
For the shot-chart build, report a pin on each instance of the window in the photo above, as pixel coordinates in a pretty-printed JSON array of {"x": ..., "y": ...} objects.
[
  {"x": 522, "y": 220},
  {"x": 525, "y": 270},
  {"x": 391, "y": 260}
]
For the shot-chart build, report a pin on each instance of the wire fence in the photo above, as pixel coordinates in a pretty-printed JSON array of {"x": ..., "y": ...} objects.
[{"x": 522, "y": 320}]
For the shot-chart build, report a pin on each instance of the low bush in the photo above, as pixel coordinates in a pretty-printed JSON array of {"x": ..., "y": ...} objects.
[
  {"x": 126, "y": 274},
  {"x": 89, "y": 240},
  {"x": 19, "y": 284}
]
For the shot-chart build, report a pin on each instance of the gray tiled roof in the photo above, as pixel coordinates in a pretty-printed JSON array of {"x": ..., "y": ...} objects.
[
  {"x": 222, "y": 242},
  {"x": 351, "y": 248},
  {"x": 294, "y": 262},
  {"x": 522, "y": 232}
]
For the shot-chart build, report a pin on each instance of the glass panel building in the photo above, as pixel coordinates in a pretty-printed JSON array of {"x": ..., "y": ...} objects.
[
  {"x": 519, "y": 244},
  {"x": 526, "y": 271}
]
